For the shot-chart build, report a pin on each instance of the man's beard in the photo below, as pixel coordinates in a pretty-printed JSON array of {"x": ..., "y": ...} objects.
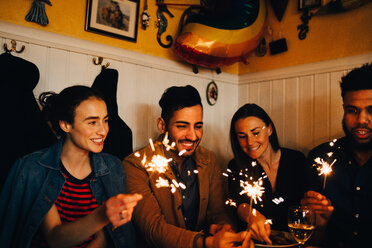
[{"x": 355, "y": 144}]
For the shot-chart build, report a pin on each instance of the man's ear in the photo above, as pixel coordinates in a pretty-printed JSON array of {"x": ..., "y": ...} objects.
[
  {"x": 65, "y": 126},
  {"x": 161, "y": 125}
]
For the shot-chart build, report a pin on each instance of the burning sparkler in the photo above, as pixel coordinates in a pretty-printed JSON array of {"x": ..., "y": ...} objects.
[
  {"x": 159, "y": 164},
  {"x": 324, "y": 169}
]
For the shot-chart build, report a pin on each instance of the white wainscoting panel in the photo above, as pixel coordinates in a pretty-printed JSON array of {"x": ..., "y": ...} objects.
[
  {"x": 306, "y": 107},
  {"x": 304, "y": 101},
  {"x": 139, "y": 87}
]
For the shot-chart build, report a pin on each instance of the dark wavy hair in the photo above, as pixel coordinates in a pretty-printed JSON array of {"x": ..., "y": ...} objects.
[
  {"x": 357, "y": 79},
  {"x": 176, "y": 98},
  {"x": 61, "y": 107},
  {"x": 250, "y": 109}
]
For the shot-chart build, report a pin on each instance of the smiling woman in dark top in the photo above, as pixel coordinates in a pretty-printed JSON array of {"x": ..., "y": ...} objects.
[{"x": 256, "y": 149}]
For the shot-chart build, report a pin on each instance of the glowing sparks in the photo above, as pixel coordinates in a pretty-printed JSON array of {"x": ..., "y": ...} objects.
[
  {"x": 254, "y": 212},
  {"x": 253, "y": 190},
  {"x": 158, "y": 163},
  {"x": 152, "y": 145},
  {"x": 324, "y": 168},
  {"x": 181, "y": 152},
  {"x": 137, "y": 154},
  {"x": 161, "y": 182},
  {"x": 230, "y": 202},
  {"x": 277, "y": 201},
  {"x": 269, "y": 221}
]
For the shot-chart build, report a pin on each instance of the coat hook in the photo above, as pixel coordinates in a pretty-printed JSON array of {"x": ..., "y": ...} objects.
[
  {"x": 99, "y": 60},
  {"x": 14, "y": 46}
]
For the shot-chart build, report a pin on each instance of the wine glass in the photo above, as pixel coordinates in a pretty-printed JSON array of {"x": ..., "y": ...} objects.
[{"x": 301, "y": 223}]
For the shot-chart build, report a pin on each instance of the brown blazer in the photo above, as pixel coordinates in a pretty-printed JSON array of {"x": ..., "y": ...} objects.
[{"x": 158, "y": 216}]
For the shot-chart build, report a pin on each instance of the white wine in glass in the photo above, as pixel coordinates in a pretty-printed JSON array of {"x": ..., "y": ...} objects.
[{"x": 301, "y": 223}]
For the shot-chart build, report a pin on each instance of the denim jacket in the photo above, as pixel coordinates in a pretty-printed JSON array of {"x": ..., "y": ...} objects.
[{"x": 35, "y": 182}]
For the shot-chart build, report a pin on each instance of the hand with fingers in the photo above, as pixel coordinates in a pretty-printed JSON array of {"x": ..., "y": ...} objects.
[
  {"x": 259, "y": 227},
  {"x": 119, "y": 208},
  {"x": 224, "y": 237},
  {"x": 320, "y": 205}
]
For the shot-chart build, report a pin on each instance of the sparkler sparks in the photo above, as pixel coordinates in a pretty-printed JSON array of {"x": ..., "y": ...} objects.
[
  {"x": 159, "y": 164},
  {"x": 253, "y": 190},
  {"x": 279, "y": 200},
  {"x": 324, "y": 168},
  {"x": 230, "y": 202}
]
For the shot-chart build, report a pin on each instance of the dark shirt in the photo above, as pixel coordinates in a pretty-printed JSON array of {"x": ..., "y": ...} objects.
[
  {"x": 289, "y": 186},
  {"x": 190, "y": 194},
  {"x": 349, "y": 188}
]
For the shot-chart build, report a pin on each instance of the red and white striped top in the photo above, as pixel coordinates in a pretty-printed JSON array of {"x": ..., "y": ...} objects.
[{"x": 76, "y": 200}]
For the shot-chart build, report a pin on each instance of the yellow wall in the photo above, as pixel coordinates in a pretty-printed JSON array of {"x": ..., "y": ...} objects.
[{"x": 330, "y": 37}]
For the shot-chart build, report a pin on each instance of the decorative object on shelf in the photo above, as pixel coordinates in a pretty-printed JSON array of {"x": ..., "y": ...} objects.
[
  {"x": 37, "y": 12},
  {"x": 162, "y": 24},
  {"x": 278, "y": 46},
  {"x": 222, "y": 33},
  {"x": 99, "y": 60},
  {"x": 338, "y": 6},
  {"x": 118, "y": 19},
  {"x": 13, "y": 48},
  {"x": 212, "y": 93},
  {"x": 279, "y": 7},
  {"x": 261, "y": 49},
  {"x": 145, "y": 17},
  {"x": 305, "y": 6}
]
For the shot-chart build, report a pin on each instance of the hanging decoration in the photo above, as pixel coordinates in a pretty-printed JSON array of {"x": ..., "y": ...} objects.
[
  {"x": 37, "y": 12},
  {"x": 162, "y": 24},
  {"x": 145, "y": 17},
  {"x": 279, "y": 7},
  {"x": 338, "y": 6},
  {"x": 221, "y": 33}
]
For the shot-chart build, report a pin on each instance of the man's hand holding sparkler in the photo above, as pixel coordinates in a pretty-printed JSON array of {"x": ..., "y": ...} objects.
[{"x": 320, "y": 205}]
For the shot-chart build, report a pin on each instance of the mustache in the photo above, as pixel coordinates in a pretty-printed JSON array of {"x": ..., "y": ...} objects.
[
  {"x": 188, "y": 140},
  {"x": 364, "y": 126}
]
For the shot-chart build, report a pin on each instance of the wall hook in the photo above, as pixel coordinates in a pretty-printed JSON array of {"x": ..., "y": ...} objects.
[
  {"x": 99, "y": 60},
  {"x": 13, "y": 48}
]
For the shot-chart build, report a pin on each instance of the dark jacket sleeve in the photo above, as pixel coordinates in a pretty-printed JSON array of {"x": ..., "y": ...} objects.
[{"x": 10, "y": 205}]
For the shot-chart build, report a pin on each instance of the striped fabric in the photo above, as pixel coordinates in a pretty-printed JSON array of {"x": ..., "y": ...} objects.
[{"x": 76, "y": 200}]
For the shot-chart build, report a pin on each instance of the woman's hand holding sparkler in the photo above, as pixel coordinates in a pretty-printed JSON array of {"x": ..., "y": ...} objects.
[
  {"x": 119, "y": 208},
  {"x": 257, "y": 223},
  {"x": 321, "y": 206}
]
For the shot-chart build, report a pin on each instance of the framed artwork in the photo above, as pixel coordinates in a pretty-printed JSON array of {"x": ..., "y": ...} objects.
[
  {"x": 308, "y": 4},
  {"x": 212, "y": 93},
  {"x": 115, "y": 18}
]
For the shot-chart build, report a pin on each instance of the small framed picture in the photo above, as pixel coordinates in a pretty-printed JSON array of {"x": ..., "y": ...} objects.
[
  {"x": 212, "y": 93},
  {"x": 308, "y": 4},
  {"x": 115, "y": 18}
]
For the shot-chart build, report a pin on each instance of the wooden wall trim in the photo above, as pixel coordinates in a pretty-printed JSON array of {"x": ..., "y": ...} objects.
[
  {"x": 306, "y": 69},
  {"x": 44, "y": 38}
]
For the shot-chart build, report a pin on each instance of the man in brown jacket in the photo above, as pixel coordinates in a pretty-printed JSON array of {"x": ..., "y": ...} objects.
[{"x": 183, "y": 202}]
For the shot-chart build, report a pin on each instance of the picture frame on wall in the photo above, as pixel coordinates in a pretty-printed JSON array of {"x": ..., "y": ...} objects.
[
  {"x": 212, "y": 93},
  {"x": 115, "y": 18},
  {"x": 309, "y": 4}
]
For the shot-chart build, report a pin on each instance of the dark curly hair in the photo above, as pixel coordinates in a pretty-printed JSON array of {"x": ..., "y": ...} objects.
[
  {"x": 357, "y": 79},
  {"x": 176, "y": 98},
  {"x": 61, "y": 107}
]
